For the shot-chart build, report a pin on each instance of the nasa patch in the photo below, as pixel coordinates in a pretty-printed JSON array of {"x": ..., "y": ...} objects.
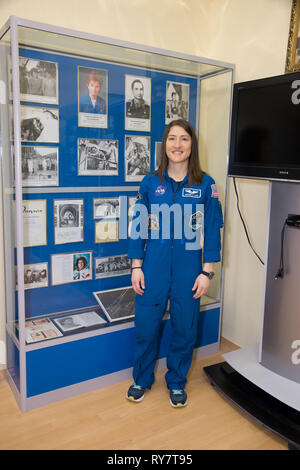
[{"x": 160, "y": 190}]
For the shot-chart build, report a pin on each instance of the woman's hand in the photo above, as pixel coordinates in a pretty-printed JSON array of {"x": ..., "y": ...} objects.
[
  {"x": 201, "y": 286},
  {"x": 138, "y": 281}
]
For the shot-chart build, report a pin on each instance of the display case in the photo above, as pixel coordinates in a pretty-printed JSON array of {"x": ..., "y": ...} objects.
[{"x": 82, "y": 118}]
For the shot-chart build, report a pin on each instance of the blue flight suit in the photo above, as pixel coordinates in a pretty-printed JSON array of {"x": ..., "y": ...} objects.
[
  {"x": 170, "y": 270},
  {"x": 86, "y": 105}
]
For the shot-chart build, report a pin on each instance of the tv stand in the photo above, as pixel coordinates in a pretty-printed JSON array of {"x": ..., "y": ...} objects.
[{"x": 264, "y": 380}]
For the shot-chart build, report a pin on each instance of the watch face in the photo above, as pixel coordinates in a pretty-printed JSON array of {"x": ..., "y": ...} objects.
[{"x": 211, "y": 275}]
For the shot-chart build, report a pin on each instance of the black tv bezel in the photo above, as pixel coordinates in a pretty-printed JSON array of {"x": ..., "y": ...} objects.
[{"x": 241, "y": 170}]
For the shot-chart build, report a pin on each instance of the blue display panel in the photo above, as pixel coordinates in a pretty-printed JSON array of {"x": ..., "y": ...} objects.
[
  {"x": 66, "y": 364},
  {"x": 71, "y": 73}
]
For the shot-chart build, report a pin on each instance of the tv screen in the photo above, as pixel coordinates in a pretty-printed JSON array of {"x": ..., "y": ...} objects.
[{"x": 265, "y": 129}]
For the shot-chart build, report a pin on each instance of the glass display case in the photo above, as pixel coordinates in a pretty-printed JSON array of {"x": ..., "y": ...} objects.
[{"x": 82, "y": 118}]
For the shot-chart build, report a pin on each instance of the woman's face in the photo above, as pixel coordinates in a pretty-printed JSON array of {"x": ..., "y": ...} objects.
[
  {"x": 80, "y": 264},
  {"x": 178, "y": 145}
]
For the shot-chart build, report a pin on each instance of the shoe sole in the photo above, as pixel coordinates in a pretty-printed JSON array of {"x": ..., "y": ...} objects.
[
  {"x": 179, "y": 405},
  {"x": 135, "y": 400}
]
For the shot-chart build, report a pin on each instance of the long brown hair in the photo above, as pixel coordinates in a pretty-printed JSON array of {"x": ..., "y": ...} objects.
[{"x": 194, "y": 170}]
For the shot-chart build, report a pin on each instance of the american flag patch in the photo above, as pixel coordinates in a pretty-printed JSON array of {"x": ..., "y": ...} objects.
[{"x": 214, "y": 191}]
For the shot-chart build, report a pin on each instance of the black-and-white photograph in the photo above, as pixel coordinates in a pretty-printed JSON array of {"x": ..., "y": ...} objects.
[
  {"x": 38, "y": 81},
  {"x": 98, "y": 157},
  {"x": 137, "y": 157},
  {"x": 111, "y": 266},
  {"x": 68, "y": 221},
  {"x": 39, "y": 166},
  {"x": 137, "y": 103},
  {"x": 106, "y": 208},
  {"x": 35, "y": 275},
  {"x": 39, "y": 124},
  {"x": 79, "y": 321},
  {"x": 117, "y": 304},
  {"x": 177, "y": 101},
  {"x": 92, "y": 97},
  {"x": 157, "y": 154}
]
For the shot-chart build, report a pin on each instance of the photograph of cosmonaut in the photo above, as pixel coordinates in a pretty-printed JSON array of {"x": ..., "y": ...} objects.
[
  {"x": 111, "y": 266},
  {"x": 92, "y": 97},
  {"x": 35, "y": 275},
  {"x": 177, "y": 101},
  {"x": 137, "y": 157},
  {"x": 157, "y": 154},
  {"x": 98, "y": 157},
  {"x": 39, "y": 124},
  {"x": 38, "y": 81},
  {"x": 137, "y": 103},
  {"x": 81, "y": 267},
  {"x": 71, "y": 267},
  {"x": 68, "y": 221},
  {"x": 39, "y": 166},
  {"x": 117, "y": 304},
  {"x": 105, "y": 208}
]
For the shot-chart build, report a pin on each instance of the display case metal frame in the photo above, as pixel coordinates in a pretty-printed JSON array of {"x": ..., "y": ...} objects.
[{"x": 211, "y": 68}]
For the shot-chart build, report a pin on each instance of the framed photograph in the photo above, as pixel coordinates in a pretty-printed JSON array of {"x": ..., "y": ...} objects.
[
  {"x": 177, "y": 101},
  {"x": 39, "y": 166},
  {"x": 98, "y": 157},
  {"x": 75, "y": 322},
  {"x": 117, "y": 304},
  {"x": 157, "y": 154},
  {"x": 68, "y": 220},
  {"x": 137, "y": 103},
  {"x": 71, "y": 267},
  {"x": 34, "y": 222},
  {"x": 38, "y": 81},
  {"x": 137, "y": 157},
  {"x": 40, "y": 330},
  {"x": 106, "y": 208},
  {"x": 106, "y": 231},
  {"x": 112, "y": 266},
  {"x": 39, "y": 124},
  {"x": 293, "y": 50},
  {"x": 92, "y": 97},
  {"x": 35, "y": 275}
]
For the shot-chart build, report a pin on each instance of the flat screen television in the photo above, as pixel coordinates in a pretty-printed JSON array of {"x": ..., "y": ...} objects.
[{"x": 265, "y": 129}]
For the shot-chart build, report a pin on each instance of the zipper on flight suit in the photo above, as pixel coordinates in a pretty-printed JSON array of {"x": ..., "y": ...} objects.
[{"x": 174, "y": 196}]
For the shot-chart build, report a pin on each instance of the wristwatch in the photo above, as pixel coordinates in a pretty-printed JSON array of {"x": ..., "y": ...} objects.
[{"x": 209, "y": 275}]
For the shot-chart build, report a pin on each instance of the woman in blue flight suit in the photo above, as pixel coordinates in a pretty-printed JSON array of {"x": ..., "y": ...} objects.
[{"x": 170, "y": 265}]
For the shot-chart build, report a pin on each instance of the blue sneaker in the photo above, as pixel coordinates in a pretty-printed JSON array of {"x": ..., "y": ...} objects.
[
  {"x": 135, "y": 393},
  {"x": 178, "y": 398}
]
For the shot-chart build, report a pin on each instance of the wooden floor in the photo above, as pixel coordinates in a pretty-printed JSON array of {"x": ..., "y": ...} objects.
[{"x": 104, "y": 419}]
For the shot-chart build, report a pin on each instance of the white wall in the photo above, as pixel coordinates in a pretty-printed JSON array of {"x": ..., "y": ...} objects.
[{"x": 250, "y": 33}]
